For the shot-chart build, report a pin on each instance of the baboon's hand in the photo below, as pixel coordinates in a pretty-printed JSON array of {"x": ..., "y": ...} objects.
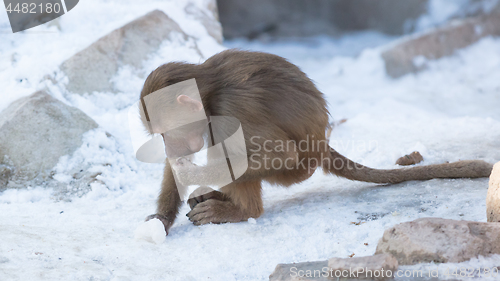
[
  {"x": 167, "y": 223},
  {"x": 202, "y": 194},
  {"x": 214, "y": 211}
]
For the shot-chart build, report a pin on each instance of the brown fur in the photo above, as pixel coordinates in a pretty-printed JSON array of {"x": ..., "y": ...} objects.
[{"x": 275, "y": 101}]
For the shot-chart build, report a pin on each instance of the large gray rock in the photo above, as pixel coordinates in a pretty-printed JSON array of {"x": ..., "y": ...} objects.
[
  {"x": 440, "y": 240},
  {"x": 92, "y": 68},
  {"x": 378, "y": 267},
  {"x": 408, "y": 55},
  {"x": 292, "y": 18},
  {"x": 493, "y": 196},
  {"x": 35, "y": 131}
]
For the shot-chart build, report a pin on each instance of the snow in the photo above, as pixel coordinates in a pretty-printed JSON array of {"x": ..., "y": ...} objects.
[
  {"x": 448, "y": 112},
  {"x": 152, "y": 231}
]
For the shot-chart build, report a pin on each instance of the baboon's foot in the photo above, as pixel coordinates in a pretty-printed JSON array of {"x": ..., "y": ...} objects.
[
  {"x": 202, "y": 194},
  {"x": 410, "y": 159}
]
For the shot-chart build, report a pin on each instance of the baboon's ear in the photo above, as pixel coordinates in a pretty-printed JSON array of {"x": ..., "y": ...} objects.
[{"x": 193, "y": 104}]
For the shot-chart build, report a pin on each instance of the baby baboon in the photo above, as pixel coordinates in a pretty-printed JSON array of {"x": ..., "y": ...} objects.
[{"x": 284, "y": 117}]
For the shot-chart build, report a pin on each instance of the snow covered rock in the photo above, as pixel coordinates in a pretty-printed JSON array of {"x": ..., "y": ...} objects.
[
  {"x": 35, "y": 131},
  {"x": 301, "y": 271},
  {"x": 440, "y": 240},
  {"x": 493, "y": 196},
  {"x": 92, "y": 68},
  {"x": 410, "y": 53},
  {"x": 378, "y": 267},
  {"x": 209, "y": 18}
]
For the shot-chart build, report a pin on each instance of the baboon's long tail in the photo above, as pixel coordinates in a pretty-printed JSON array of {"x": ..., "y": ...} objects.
[{"x": 344, "y": 167}]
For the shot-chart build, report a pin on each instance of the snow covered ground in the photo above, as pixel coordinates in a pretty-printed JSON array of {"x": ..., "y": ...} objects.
[{"x": 449, "y": 112}]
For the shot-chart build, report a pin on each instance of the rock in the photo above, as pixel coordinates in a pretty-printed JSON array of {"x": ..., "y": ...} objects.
[
  {"x": 409, "y": 54},
  {"x": 5, "y": 174},
  {"x": 493, "y": 196},
  {"x": 35, "y": 131},
  {"x": 210, "y": 20},
  {"x": 388, "y": 16},
  {"x": 92, "y": 68},
  {"x": 377, "y": 267},
  {"x": 295, "y": 18},
  {"x": 410, "y": 159},
  {"x": 300, "y": 271},
  {"x": 440, "y": 240}
]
